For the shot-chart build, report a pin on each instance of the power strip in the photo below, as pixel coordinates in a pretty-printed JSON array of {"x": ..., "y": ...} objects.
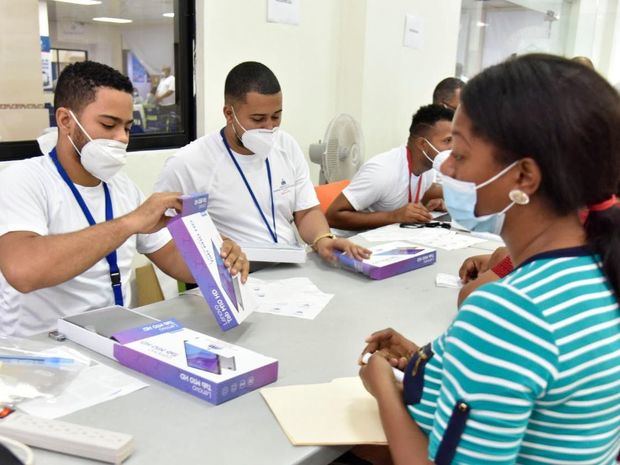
[{"x": 68, "y": 438}]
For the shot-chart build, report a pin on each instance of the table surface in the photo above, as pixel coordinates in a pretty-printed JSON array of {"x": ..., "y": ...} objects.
[{"x": 170, "y": 425}]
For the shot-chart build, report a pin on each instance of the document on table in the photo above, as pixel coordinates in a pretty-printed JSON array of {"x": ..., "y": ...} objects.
[
  {"x": 437, "y": 238},
  {"x": 296, "y": 297},
  {"x": 448, "y": 280},
  {"x": 341, "y": 412},
  {"x": 95, "y": 384}
]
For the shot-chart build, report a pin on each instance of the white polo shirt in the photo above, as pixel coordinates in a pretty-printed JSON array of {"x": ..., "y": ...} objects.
[
  {"x": 33, "y": 197},
  {"x": 166, "y": 84},
  {"x": 205, "y": 166},
  {"x": 383, "y": 183}
]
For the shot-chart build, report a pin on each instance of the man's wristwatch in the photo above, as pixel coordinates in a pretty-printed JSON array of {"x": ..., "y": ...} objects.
[{"x": 322, "y": 236}]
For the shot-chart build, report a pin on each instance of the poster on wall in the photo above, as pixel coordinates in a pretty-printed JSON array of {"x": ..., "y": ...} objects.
[
  {"x": 414, "y": 32},
  {"x": 46, "y": 63},
  {"x": 284, "y": 11}
]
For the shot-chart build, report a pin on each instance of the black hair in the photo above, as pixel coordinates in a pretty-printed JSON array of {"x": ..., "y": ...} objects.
[
  {"x": 78, "y": 83},
  {"x": 567, "y": 118},
  {"x": 426, "y": 117},
  {"x": 444, "y": 91},
  {"x": 250, "y": 76}
]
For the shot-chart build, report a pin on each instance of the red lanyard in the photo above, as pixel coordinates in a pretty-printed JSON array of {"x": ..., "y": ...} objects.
[{"x": 410, "y": 166}]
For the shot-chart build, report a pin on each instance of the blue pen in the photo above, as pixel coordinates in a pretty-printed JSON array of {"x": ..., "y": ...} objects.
[{"x": 34, "y": 360}]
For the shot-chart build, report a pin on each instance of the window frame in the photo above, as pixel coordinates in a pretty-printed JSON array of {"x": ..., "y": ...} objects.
[{"x": 185, "y": 68}]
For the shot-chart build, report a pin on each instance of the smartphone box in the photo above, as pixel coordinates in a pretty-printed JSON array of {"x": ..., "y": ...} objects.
[
  {"x": 275, "y": 253},
  {"x": 390, "y": 259},
  {"x": 200, "y": 243},
  {"x": 203, "y": 366}
]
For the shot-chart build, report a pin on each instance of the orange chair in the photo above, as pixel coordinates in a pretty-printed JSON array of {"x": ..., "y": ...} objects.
[{"x": 327, "y": 193}]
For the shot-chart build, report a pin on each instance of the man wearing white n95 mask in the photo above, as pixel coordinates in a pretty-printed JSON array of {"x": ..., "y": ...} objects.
[
  {"x": 255, "y": 174},
  {"x": 70, "y": 222},
  {"x": 398, "y": 186}
]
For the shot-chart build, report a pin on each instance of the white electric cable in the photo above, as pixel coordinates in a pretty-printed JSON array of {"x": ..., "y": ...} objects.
[{"x": 28, "y": 458}]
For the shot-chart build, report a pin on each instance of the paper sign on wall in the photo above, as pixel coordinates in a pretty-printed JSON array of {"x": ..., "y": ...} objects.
[
  {"x": 414, "y": 32},
  {"x": 284, "y": 11}
]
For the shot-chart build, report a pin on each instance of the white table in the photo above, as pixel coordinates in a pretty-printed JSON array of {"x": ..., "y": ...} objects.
[{"x": 172, "y": 427}]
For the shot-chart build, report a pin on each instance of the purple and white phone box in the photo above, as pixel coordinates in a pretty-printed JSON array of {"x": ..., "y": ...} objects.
[
  {"x": 205, "y": 367},
  {"x": 199, "y": 242}
]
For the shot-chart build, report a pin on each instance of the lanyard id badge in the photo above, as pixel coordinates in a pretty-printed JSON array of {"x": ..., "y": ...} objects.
[
  {"x": 410, "y": 166},
  {"x": 272, "y": 231},
  {"x": 111, "y": 258}
]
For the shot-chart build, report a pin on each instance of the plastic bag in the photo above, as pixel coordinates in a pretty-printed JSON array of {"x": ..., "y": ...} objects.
[{"x": 33, "y": 369}]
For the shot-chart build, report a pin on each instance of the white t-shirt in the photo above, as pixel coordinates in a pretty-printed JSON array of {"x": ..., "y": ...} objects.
[
  {"x": 205, "y": 166},
  {"x": 382, "y": 183},
  {"x": 33, "y": 197},
  {"x": 166, "y": 84}
]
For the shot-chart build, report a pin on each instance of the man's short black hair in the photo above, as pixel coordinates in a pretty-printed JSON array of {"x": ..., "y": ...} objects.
[
  {"x": 444, "y": 91},
  {"x": 426, "y": 117},
  {"x": 78, "y": 83},
  {"x": 250, "y": 76}
]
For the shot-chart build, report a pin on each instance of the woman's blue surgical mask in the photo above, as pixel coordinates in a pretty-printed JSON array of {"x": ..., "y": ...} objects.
[{"x": 461, "y": 198}]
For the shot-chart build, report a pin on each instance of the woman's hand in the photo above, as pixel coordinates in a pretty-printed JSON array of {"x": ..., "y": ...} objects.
[
  {"x": 390, "y": 345},
  {"x": 378, "y": 377}
]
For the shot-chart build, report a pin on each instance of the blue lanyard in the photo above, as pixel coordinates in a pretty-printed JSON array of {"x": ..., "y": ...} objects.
[
  {"x": 115, "y": 274},
  {"x": 272, "y": 232}
]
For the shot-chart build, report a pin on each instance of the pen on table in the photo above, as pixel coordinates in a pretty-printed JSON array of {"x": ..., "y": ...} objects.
[
  {"x": 399, "y": 375},
  {"x": 34, "y": 360}
]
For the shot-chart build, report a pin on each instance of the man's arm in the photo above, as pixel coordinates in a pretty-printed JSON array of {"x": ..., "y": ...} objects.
[
  {"x": 342, "y": 215},
  {"x": 433, "y": 198},
  {"x": 311, "y": 224},
  {"x": 30, "y": 261},
  {"x": 433, "y": 192}
]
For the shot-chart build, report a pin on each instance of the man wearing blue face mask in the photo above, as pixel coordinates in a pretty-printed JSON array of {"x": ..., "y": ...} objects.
[
  {"x": 71, "y": 223},
  {"x": 398, "y": 186},
  {"x": 255, "y": 173}
]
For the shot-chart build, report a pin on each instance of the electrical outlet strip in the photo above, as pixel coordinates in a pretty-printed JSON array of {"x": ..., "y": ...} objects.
[{"x": 68, "y": 438}]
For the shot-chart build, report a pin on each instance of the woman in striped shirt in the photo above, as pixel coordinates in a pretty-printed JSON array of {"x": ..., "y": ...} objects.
[{"x": 529, "y": 371}]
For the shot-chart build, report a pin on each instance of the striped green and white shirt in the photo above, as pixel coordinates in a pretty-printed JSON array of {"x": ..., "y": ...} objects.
[{"x": 536, "y": 357}]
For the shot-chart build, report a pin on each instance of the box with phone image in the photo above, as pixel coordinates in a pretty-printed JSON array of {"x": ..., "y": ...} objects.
[
  {"x": 200, "y": 244},
  {"x": 390, "y": 259},
  {"x": 201, "y": 365}
]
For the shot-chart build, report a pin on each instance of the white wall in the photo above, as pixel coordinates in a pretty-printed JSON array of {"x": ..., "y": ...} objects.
[
  {"x": 397, "y": 80},
  {"x": 304, "y": 58},
  {"x": 345, "y": 56},
  {"x": 102, "y": 41},
  {"x": 152, "y": 44}
]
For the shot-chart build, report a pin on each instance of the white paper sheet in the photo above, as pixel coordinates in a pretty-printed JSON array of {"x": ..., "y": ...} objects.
[
  {"x": 296, "y": 297},
  {"x": 437, "y": 238},
  {"x": 414, "y": 32},
  {"x": 448, "y": 280},
  {"x": 96, "y": 384},
  {"x": 284, "y": 11}
]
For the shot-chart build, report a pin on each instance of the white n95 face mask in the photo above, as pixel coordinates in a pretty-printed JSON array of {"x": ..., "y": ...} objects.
[
  {"x": 432, "y": 160},
  {"x": 259, "y": 141},
  {"x": 102, "y": 158},
  {"x": 440, "y": 158},
  {"x": 461, "y": 197}
]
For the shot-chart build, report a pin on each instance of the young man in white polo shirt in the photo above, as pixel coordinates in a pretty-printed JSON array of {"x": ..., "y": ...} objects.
[
  {"x": 70, "y": 222},
  {"x": 398, "y": 186},
  {"x": 255, "y": 174}
]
